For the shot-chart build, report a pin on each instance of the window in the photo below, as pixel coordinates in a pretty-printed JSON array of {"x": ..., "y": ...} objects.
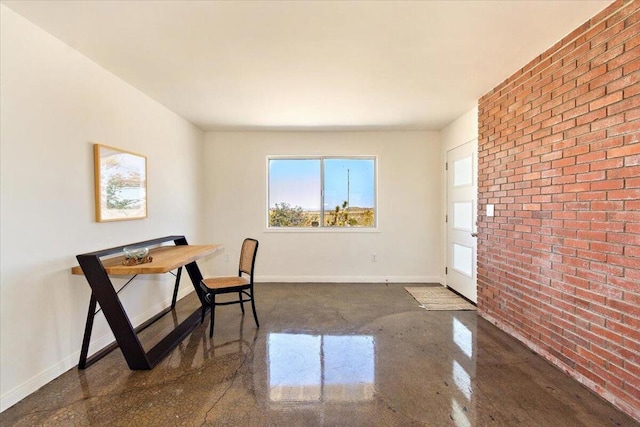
[{"x": 322, "y": 192}]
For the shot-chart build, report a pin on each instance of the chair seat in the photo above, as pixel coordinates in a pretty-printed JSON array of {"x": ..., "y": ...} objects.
[{"x": 225, "y": 282}]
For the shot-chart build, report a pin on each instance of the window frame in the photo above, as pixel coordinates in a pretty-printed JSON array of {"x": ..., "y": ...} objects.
[{"x": 323, "y": 228}]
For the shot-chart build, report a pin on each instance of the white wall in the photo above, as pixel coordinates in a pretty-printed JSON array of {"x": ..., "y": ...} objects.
[
  {"x": 457, "y": 133},
  {"x": 409, "y": 193},
  {"x": 54, "y": 104}
]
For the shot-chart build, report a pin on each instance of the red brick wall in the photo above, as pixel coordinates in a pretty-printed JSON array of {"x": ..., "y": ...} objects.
[{"x": 559, "y": 156}]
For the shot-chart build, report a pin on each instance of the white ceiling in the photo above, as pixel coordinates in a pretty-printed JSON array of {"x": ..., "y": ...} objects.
[{"x": 262, "y": 65}]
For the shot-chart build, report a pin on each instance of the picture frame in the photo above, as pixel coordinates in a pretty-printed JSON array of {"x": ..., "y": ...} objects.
[{"x": 120, "y": 184}]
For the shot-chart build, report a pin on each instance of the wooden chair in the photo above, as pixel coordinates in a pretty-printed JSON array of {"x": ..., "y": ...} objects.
[{"x": 242, "y": 284}]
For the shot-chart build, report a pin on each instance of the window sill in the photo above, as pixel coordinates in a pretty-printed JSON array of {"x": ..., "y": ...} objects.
[{"x": 322, "y": 230}]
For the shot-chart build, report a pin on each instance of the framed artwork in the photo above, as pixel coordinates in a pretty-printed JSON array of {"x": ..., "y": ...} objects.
[{"x": 120, "y": 183}]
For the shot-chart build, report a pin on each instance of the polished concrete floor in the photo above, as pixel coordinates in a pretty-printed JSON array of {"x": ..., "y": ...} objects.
[{"x": 330, "y": 355}]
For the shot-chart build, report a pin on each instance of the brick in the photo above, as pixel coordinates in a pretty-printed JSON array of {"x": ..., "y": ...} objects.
[
  {"x": 590, "y": 117},
  {"x": 629, "y": 56},
  {"x": 609, "y": 184},
  {"x": 594, "y": 139},
  {"x": 624, "y": 35},
  {"x": 590, "y": 96},
  {"x": 633, "y": 41},
  {"x": 576, "y": 131},
  {"x": 607, "y": 226},
  {"x": 577, "y": 91},
  {"x": 606, "y": 164},
  {"x": 576, "y": 206},
  {"x": 609, "y": 270},
  {"x": 625, "y": 284},
  {"x": 583, "y": 186},
  {"x": 591, "y": 157},
  {"x": 626, "y": 172},
  {"x": 595, "y": 30},
  {"x": 633, "y": 160},
  {"x": 632, "y": 217},
  {"x": 538, "y": 118},
  {"x": 606, "y": 34},
  {"x": 603, "y": 55},
  {"x": 624, "y": 239},
  {"x": 568, "y": 161},
  {"x": 592, "y": 195},
  {"x": 631, "y": 67},
  {"x": 627, "y": 127},
  {"x": 623, "y": 261},
  {"x": 627, "y": 308},
  {"x": 579, "y": 70},
  {"x": 605, "y": 100},
  {"x": 561, "y": 214},
  {"x": 563, "y": 126},
  {"x": 632, "y": 252},
  {"x": 607, "y": 122},
  {"x": 591, "y": 176},
  {"x": 607, "y": 291},
  {"x": 590, "y": 214},
  {"x": 565, "y": 179},
  {"x": 624, "y": 82},
  {"x": 592, "y": 235},
  {"x": 576, "y": 243},
  {"x": 630, "y": 194},
  {"x": 632, "y": 114},
  {"x": 559, "y": 198},
  {"x": 607, "y": 206},
  {"x": 629, "y": 103},
  {"x": 632, "y": 274},
  {"x": 632, "y": 138},
  {"x": 592, "y": 74},
  {"x": 551, "y": 121},
  {"x": 571, "y": 84},
  {"x": 591, "y": 255},
  {"x": 627, "y": 150},
  {"x": 606, "y": 312}
]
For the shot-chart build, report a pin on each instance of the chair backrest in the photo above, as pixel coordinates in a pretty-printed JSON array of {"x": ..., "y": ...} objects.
[{"x": 248, "y": 257}]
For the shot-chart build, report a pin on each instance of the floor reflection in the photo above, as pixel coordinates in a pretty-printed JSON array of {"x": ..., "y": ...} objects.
[
  {"x": 463, "y": 337},
  {"x": 314, "y": 368},
  {"x": 463, "y": 370}
]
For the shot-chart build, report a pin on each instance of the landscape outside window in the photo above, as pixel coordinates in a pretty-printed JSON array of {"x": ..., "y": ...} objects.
[{"x": 322, "y": 192}]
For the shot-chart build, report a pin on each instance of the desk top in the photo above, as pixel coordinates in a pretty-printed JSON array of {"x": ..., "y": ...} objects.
[{"x": 165, "y": 259}]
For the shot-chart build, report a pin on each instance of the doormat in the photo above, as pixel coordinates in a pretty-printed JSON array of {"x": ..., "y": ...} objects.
[{"x": 439, "y": 298}]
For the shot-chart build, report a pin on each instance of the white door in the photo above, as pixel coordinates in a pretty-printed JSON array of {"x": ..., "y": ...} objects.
[{"x": 462, "y": 202}]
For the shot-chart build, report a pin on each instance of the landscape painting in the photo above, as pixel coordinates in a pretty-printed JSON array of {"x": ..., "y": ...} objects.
[{"x": 120, "y": 184}]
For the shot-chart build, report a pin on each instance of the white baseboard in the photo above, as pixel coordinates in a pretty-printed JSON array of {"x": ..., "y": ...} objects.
[
  {"x": 18, "y": 393},
  {"x": 347, "y": 279}
]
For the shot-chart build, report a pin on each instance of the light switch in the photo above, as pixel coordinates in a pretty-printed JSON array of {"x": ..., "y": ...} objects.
[{"x": 490, "y": 210}]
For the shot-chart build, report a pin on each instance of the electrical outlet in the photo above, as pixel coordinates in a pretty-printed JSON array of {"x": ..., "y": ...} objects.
[{"x": 374, "y": 257}]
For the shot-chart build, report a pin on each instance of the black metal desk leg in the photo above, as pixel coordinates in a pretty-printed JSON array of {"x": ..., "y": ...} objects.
[
  {"x": 113, "y": 311},
  {"x": 194, "y": 272},
  {"x": 175, "y": 288},
  {"x": 82, "y": 363}
]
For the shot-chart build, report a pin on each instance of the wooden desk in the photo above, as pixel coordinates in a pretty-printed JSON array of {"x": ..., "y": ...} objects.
[{"x": 165, "y": 259}]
